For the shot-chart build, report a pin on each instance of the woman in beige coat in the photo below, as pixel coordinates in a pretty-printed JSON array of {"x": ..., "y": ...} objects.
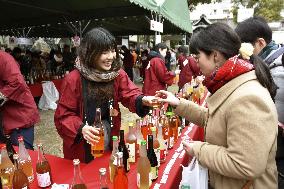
[{"x": 241, "y": 119}]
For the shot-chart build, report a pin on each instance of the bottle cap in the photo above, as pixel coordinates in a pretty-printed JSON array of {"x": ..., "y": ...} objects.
[
  {"x": 153, "y": 129},
  {"x": 119, "y": 154},
  {"x": 130, "y": 124},
  {"x": 143, "y": 142},
  {"x": 102, "y": 171},
  {"x": 76, "y": 161},
  {"x": 114, "y": 138}
]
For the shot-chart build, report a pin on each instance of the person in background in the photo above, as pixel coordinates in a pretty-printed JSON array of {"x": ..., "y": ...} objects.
[
  {"x": 168, "y": 60},
  {"x": 17, "y": 107},
  {"x": 240, "y": 119},
  {"x": 68, "y": 60},
  {"x": 256, "y": 31},
  {"x": 128, "y": 61},
  {"x": 157, "y": 77},
  {"x": 188, "y": 67},
  {"x": 144, "y": 61},
  {"x": 97, "y": 81}
]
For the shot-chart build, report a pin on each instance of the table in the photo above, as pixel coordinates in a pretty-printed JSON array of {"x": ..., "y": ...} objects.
[
  {"x": 36, "y": 89},
  {"x": 169, "y": 172}
]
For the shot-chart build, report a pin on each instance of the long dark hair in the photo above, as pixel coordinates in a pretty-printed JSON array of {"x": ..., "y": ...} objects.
[
  {"x": 222, "y": 38},
  {"x": 94, "y": 43}
]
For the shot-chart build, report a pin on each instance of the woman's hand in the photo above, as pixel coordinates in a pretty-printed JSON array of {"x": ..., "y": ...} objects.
[
  {"x": 90, "y": 134},
  {"x": 187, "y": 146},
  {"x": 165, "y": 96}
]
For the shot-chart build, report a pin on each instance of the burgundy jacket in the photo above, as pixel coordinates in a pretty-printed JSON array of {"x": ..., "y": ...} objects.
[
  {"x": 157, "y": 77},
  {"x": 69, "y": 113},
  {"x": 20, "y": 111},
  {"x": 188, "y": 71}
]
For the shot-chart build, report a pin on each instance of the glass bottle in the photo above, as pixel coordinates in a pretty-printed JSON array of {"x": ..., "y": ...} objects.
[
  {"x": 131, "y": 143},
  {"x": 103, "y": 178},
  {"x": 112, "y": 159},
  {"x": 25, "y": 161},
  {"x": 120, "y": 180},
  {"x": 164, "y": 123},
  {"x": 7, "y": 168},
  {"x": 10, "y": 149},
  {"x": 122, "y": 148},
  {"x": 156, "y": 145},
  {"x": 98, "y": 148},
  {"x": 143, "y": 168},
  {"x": 139, "y": 135},
  {"x": 174, "y": 124},
  {"x": 163, "y": 147},
  {"x": 43, "y": 171},
  {"x": 152, "y": 158},
  {"x": 77, "y": 182},
  {"x": 169, "y": 115},
  {"x": 20, "y": 179}
]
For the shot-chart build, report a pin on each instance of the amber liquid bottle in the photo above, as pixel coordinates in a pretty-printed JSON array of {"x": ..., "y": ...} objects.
[
  {"x": 25, "y": 161},
  {"x": 20, "y": 179},
  {"x": 120, "y": 180},
  {"x": 77, "y": 182},
  {"x": 143, "y": 168},
  {"x": 131, "y": 143},
  {"x": 98, "y": 148},
  {"x": 43, "y": 170},
  {"x": 169, "y": 115},
  {"x": 113, "y": 158},
  {"x": 156, "y": 144},
  {"x": 7, "y": 168},
  {"x": 122, "y": 148}
]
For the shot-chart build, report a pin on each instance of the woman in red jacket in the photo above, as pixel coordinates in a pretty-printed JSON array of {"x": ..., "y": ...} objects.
[
  {"x": 156, "y": 75},
  {"x": 18, "y": 111},
  {"x": 188, "y": 67},
  {"x": 97, "y": 81}
]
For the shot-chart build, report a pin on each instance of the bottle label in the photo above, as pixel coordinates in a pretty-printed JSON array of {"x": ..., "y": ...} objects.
[
  {"x": 115, "y": 161},
  {"x": 138, "y": 180},
  {"x": 162, "y": 155},
  {"x": 154, "y": 172},
  {"x": 131, "y": 149},
  {"x": 171, "y": 142},
  {"x": 157, "y": 152},
  {"x": 43, "y": 179}
]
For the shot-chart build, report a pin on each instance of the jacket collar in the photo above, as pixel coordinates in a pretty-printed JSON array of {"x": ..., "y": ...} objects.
[{"x": 217, "y": 99}]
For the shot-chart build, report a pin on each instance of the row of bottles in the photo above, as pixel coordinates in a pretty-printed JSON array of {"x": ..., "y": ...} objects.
[{"x": 20, "y": 174}]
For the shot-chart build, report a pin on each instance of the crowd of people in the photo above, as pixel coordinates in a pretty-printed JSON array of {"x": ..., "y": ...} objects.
[{"x": 243, "y": 119}]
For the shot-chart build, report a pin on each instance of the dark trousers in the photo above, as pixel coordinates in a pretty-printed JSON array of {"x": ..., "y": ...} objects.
[
  {"x": 280, "y": 182},
  {"x": 27, "y": 133}
]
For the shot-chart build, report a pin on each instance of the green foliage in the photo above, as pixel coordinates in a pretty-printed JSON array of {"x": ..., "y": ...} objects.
[{"x": 269, "y": 9}]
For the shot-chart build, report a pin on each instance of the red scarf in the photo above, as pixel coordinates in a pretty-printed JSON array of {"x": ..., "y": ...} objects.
[{"x": 232, "y": 68}]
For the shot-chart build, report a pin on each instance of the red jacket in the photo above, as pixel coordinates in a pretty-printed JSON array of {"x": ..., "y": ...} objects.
[
  {"x": 69, "y": 113},
  {"x": 157, "y": 77},
  {"x": 188, "y": 71},
  {"x": 180, "y": 60},
  {"x": 20, "y": 111}
]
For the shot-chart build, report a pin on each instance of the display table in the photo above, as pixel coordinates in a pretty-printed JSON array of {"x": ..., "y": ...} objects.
[
  {"x": 169, "y": 172},
  {"x": 36, "y": 89}
]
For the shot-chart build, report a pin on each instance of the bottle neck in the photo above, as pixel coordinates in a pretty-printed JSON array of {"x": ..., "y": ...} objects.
[
  {"x": 98, "y": 120},
  {"x": 16, "y": 164},
  {"x": 131, "y": 130},
  {"x": 143, "y": 151},
  {"x": 150, "y": 142},
  {"x": 4, "y": 155},
  {"x": 77, "y": 174},
  {"x": 40, "y": 156},
  {"x": 121, "y": 137},
  {"x": 115, "y": 147}
]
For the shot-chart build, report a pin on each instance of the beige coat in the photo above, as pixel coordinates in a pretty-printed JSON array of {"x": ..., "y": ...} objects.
[{"x": 240, "y": 132}]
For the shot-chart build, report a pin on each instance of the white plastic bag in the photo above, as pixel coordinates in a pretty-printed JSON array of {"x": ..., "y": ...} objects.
[
  {"x": 194, "y": 176},
  {"x": 49, "y": 96}
]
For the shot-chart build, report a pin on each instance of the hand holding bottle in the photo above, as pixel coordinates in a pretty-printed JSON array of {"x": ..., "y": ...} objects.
[
  {"x": 90, "y": 134},
  {"x": 165, "y": 96},
  {"x": 188, "y": 147}
]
